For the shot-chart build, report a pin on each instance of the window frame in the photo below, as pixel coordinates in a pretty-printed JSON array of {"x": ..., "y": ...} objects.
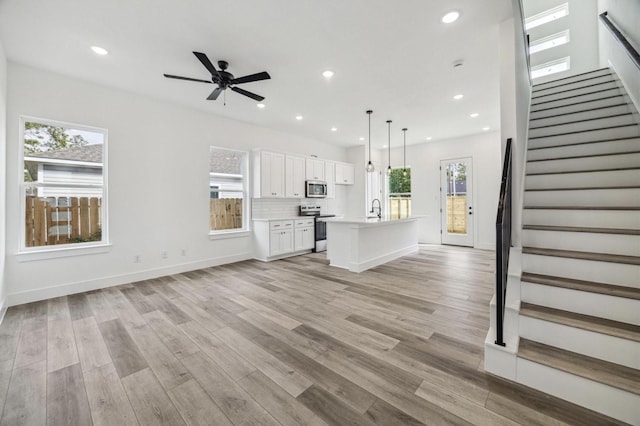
[
  {"x": 246, "y": 222},
  {"x": 71, "y": 249}
]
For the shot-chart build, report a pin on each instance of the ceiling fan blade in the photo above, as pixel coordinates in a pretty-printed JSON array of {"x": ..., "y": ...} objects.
[
  {"x": 187, "y": 78},
  {"x": 249, "y": 78},
  {"x": 214, "y": 95},
  {"x": 247, "y": 93},
  {"x": 207, "y": 63}
]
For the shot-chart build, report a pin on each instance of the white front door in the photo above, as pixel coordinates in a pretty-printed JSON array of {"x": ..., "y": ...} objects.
[{"x": 456, "y": 206}]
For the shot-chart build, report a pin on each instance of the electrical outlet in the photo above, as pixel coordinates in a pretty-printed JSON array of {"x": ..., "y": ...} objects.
[
  {"x": 136, "y": 258},
  {"x": 164, "y": 254}
]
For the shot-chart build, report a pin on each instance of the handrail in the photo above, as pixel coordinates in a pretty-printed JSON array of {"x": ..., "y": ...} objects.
[
  {"x": 633, "y": 53},
  {"x": 503, "y": 242}
]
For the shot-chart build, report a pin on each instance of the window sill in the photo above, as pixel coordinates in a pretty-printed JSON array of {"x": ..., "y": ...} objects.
[
  {"x": 221, "y": 235},
  {"x": 58, "y": 252}
]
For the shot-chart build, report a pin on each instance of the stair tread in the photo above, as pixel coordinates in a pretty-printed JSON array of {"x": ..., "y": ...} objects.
[
  {"x": 578, "y": 112},
  {"x": 585, "y": 322},
  {"x": 607, "y": 208},
  {"x": 618, "y": 169},
  {"x": 573, "y": 157},
  {"x": 583, "y": 143},
  {"x": 539, "y": 85},
  {"x": 581, "y": 121},
  {"x": 617, "y": 89},
  {"x": 617, "y": 95},
  {"x": 598, "y": 257},
  {"x": 580, "y": 285},
  {"x": 583, "y": 131},
  {"x": 585, "y": 86},
  {"x": 617, "y": 231},
  {"x": 608, "y": 373},
  {"x": 586, "y": 188}
]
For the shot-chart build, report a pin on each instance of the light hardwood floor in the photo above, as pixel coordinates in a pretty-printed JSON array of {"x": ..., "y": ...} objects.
[{"x": 288, "y": 342}]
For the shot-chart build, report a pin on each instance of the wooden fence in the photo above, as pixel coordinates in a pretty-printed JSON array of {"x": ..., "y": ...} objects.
[
  {"x": 225, "y": 213},
  {"x": 62, "y": 220},
  {"x": 457, "y": 214},
  {"x": 399, "y": 207}
]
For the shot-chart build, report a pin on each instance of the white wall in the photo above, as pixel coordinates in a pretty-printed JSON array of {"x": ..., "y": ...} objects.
[
  {"x": 158, "y": 174},
  {"x": 625, "y": 14},
  {"x": 425, "y": 183},
  {"x": 3, "y": 133},
  {"x": 582, "y": 23}
]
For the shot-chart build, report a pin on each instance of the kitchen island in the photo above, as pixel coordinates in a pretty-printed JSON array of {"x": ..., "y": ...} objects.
[{"x": 358, "y": 244}]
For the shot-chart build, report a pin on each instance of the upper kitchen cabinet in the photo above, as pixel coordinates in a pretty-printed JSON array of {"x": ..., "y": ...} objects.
[
  {"x": 294, "y": 176},
  {"x": 315, "y": 169},
  {"x": 345, "y": 174},
  {"x": 330, "y": 178},
  {"x": 270, "y": 174}
]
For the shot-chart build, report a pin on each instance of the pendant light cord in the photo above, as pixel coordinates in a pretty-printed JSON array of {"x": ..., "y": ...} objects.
[
  {"x": 369, "y": 112},
  {"x": 404, "y": 148}
]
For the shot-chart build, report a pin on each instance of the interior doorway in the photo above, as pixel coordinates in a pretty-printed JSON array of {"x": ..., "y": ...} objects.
[{"x": 456, "y": 206}]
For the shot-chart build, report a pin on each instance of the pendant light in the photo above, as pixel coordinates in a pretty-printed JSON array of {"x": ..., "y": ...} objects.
[
  {"x": 389, "y": 128},
  {"x": 370, "y": 167},
  {"x": 404, "y": 161}
]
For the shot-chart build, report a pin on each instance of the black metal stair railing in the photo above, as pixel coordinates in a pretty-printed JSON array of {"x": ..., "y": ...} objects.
[{"x": 503, "y": 243}]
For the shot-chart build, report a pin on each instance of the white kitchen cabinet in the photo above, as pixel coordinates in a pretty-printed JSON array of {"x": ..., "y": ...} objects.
[
  {"x": 330, "y": 178},
  {"x": 304, "y": 238},
  {"x": 294, "y": 176},
  {"x": 345, "y": 174},
  {"x": 270, "y": 175},
  {"x": 314, "y": 169},
  {"x": 281, "y": 242}
]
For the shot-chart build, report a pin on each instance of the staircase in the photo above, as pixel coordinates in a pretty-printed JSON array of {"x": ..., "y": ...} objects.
[{"x": 579, "y": 319}]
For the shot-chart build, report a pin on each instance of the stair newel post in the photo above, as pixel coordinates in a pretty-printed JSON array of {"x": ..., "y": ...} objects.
[{"x": 503, "y": 243}]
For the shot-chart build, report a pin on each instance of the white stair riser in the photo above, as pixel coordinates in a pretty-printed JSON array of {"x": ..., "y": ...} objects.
[
  {"x": 575, "y": 92},
  {"x": 598, "y": 148},
  {"x": 578, "y": 116},
  {"x": 573, "y": 85},
  {"x": 629, "y": 197},
  {"x": 615, "y": 161},
  {"x": 604, "y": 399},
  {"x": 623, "y": 219},
  {"x": 579, "y": 269},
  {"x": 589, "y": 136},
  {"x": 567, "y": 80},
  {"x": 615, "y": 99},
  {"x": 582, "y": 302},
  {"x": 594, "y": 124},
  {"x": 577, "y": 99},
  {"x": 626, "y": 245},
  {"x": 584, "y": 180},
  {"x": 596, "y": 345}
]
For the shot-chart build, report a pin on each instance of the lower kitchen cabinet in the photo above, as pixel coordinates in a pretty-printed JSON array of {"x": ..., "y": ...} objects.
[{"x": 278, "y": 238}]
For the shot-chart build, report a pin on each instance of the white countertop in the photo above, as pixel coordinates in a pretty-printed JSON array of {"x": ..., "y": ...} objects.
[
  {"x": 282, "y": 218},
  {"x": 384, "y": 220}
]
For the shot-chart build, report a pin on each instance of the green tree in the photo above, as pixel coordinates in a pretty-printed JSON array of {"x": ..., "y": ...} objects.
[
  {"x": 41, "y": 138},
  {"x": 398, "y": 183}
]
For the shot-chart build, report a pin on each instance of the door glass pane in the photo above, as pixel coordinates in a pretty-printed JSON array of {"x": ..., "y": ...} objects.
[{"x": 456, "y": 198}]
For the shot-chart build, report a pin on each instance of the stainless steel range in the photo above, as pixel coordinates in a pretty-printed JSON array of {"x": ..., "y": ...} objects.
[{"x": 320, "y": 226}]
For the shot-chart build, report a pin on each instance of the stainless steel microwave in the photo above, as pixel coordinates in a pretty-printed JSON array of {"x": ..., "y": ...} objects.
[{"x": 315, "y": 189}]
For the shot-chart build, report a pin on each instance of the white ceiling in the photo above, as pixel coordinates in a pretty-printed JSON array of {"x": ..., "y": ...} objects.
[{"x": 395, "y": 57}]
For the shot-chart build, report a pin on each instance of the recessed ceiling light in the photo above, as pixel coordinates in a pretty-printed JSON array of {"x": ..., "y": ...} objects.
[
  {"x": 334, "y": 129},
  {"x": 474, "y": 115},
  {"x": 328, "y": 74},
  {"x": 458, "y": 97},
  {"x": 99, "y": 50},
  {"x": 261, "y": 106},
  {"x": 384, "y": 146},
  {"x": 298, "y": 117},
  {"x": 428, "y": 138},
  {"x": 450, "y": 17},
  {"x": 486, "y": 128},
  {"x": 361, "y": 138}
]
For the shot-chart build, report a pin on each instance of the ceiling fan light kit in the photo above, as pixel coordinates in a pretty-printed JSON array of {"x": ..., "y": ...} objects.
[{"x": 224, "y": 79}]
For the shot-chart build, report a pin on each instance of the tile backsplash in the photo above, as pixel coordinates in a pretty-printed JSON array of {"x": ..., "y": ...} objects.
[{"x": 274, "y": 208}]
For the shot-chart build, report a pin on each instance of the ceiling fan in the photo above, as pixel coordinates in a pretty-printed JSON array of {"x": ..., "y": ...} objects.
[{"x": 224, "y": 79}]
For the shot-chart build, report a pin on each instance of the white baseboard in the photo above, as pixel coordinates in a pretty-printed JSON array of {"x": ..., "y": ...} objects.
[
  {"x": 3, "y": 309},
  {"x": 82, "y": 286}
]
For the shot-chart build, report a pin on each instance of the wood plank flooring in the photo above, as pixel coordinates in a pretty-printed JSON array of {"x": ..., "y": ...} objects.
[{"x": 289, "y": 342}]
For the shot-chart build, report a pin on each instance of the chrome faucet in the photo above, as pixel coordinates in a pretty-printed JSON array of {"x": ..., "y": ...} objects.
[{"x": 379, "y": 207}]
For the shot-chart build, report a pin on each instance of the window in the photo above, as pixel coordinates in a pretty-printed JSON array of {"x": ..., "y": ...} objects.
[
  {"x": 399, "y": 193},
  {"x": 547, "y": 16},
  {"x": 553, "y": 67},
  {"x": 228, "y": 179},
  {"x": 545, "y": 43},
  {"x": 63, "y": 186}
]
